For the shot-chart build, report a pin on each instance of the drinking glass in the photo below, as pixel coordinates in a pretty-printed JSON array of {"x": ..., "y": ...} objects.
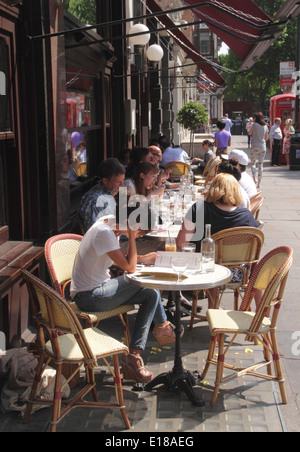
[
  {"x": 189, "y": 248},
  {"x": 170, "y": 245},
  {"x": 179, "y": 265}
]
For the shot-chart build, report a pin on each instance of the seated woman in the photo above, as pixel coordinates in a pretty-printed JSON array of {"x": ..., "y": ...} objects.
[
  {"x": 231, "y": 168},
  {"x": 93, "y": 290},
  {"x": 220, "y": 209},
  {"x": 143, "y": 181}
]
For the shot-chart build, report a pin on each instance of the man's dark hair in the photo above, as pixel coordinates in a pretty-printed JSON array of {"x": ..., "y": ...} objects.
[
  {"x": 164, "y": 142},
  {"x": 221, "y": 125},
  {"x": 110, "y": 168},
  {"x": 228, "y": 168}
]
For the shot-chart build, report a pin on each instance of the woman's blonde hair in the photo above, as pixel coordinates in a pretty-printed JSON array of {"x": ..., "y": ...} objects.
[
  {"x": 225, "y": 189},
  {"x": 288, "y": 122}
]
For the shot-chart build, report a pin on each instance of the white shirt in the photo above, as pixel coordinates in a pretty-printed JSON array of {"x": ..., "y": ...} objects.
[
  {"x": 173, "y": 155},
  {"x": 228, "y": 123},
  {"x": 276, "y": 133},
  {"x": 92, "y": 263},
  {"x": 258, "y": 140},
  {"x": 248, "y": 184}
]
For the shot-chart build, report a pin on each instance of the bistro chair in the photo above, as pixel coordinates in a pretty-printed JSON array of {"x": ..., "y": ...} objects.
[
  {"x": 62, "y": 341},
  {"x": 81, "y": 169},
  {"x": 212, "y": 170},
  {"x": 256, "y": 203},
  {"x": 178, "y": 169},
  {"x": 269, "y": 277},
  {"x": 60, "y": 253},
  {"x": 236, "y": 248}
]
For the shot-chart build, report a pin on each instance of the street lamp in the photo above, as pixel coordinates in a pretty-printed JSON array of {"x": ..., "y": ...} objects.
[
  {"x": 141, "y": 39},
  {"x": 155, "y": 53}
]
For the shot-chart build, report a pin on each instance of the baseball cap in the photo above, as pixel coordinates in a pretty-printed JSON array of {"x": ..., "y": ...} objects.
[{"x": 240, "y": 156}]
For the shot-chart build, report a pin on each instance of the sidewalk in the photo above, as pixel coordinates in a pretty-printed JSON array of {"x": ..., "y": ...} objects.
[{"x": 244, "y": 405}]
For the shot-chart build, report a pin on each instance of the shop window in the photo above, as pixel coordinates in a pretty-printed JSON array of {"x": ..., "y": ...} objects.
[{"x": 5, "y": 113}]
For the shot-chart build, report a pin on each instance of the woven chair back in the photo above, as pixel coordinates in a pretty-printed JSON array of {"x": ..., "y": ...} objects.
[
  {"x": 269, "y": 276},
  {"x": 60, "y": 253},
  {"x": 178, "y": 169},
  {"x": 256, "y": 203},
  {"x": 53, "y": 317},
  {"x": 239, "y": 248}
]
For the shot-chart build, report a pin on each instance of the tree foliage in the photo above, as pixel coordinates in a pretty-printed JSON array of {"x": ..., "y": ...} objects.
[
  {"x": 84, "y": 10},
  {"x": 191, "y": 116},
  {"x": 262, "y": 81}
]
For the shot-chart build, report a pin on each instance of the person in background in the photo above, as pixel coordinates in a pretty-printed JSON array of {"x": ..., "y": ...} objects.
[
  {"x": 259, "y": 135},
  {"x": 170, "y": 153},
  {"x": 138, "y": 155},
  {"x": 143, "y": 181},
  {"x": 72, "y": 170},
  {"x": 228, "y": 122},
  {"x": 100, "y": 201},
  {"x": 222, "y": 139},
  {"x": 124, "y": 157},
  {"x": 81, "y": 153},
  {"x": 248, "y": 128},
  {"x": 241, "y": 160},
  {"x": 208, "y": 153},
  {"x": 276, "y": 140},
  {"x": 288, "y": 132}
]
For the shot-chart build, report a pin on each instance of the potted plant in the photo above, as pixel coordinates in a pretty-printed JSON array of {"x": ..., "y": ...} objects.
[{"x": 191, "y": 116}]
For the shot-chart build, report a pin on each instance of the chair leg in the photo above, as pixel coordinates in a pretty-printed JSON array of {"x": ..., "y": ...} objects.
[
  {"x": 236, "y": 299},
  {"x": 194, "y": 308},
  {"x": 124, "y": 320},
  {"x": 57, "y": 398},
  {"x": 37, "y": 379},
  {"x": 119, "y": 392},
  {"x": 278, "y": 369},
  {"x": 211, "y": 351},
  {"x": 90, "y": 379},
  {"x": 267, "y": 354},
  {"x": 220, "y": 368}
]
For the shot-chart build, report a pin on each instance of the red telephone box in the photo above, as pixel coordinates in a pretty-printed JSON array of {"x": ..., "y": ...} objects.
[{"x": 283, "y": 107}]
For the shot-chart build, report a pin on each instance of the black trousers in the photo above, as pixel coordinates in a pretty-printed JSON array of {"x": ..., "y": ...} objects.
[{"x": 276, "y": 151}]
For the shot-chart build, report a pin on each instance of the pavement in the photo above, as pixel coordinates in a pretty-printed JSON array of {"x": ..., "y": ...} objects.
[{"x": 246, "y": 404}]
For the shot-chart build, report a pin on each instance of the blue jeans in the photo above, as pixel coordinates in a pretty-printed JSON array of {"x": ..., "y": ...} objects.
[{"x": 117, "y": 292}]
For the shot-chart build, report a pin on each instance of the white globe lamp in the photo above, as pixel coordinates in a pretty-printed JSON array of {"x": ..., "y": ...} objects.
[
  {"x": 141, "y": 40},
  {"x": 155, "y": 53}
]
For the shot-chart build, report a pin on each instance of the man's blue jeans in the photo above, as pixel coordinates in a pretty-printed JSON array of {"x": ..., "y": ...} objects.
[{"x": 116, "y": 292}]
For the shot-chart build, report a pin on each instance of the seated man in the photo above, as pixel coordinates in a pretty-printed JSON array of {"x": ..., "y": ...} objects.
[
  {"x": 171, "y": 154},
  {"x": 242, "y": 160},
  {"x": 100, "y": 201}
]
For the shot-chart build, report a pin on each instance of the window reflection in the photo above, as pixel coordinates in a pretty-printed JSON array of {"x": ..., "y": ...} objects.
[{"x": 5, "y": 114}]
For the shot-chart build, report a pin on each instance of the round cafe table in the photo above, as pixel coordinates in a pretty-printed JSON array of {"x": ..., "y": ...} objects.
[{"x": 165, "y": 279}]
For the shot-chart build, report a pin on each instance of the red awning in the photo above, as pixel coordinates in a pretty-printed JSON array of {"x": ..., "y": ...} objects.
[
  {"x": 186, "y": 45},
  {"x": 240, "y": 24}
]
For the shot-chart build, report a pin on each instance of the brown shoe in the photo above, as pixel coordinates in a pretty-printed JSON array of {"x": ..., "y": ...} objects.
[
  {"x": 134, "y": 369},
  {"x": 166, "y": 334}
]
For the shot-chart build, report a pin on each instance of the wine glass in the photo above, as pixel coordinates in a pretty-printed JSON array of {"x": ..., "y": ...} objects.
[{"x": 179, "y": 265}]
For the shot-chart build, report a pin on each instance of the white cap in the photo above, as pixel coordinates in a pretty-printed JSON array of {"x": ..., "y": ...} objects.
[
  {"x": 225, "y": 156},
  {"x": 240, "y": 156}
]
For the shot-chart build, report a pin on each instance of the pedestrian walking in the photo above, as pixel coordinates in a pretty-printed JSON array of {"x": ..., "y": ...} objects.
[
  {"x": 276, "y": 140},
  {"x": 259, "y": 136},
  {"x": 288, "y": 132}
]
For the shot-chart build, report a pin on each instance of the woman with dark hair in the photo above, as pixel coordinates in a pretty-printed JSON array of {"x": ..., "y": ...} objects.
[
  {"x": 259, "y": 136},
  {"x": 143, "y": 181}
]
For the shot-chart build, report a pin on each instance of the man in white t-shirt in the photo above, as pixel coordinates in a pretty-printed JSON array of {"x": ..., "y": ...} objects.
[
  {"x": 246, "y": 181},
  {"x": 93, "y": 290},
  {"x": 171, "y": 154},
  {"x": 228, "y": 122}
]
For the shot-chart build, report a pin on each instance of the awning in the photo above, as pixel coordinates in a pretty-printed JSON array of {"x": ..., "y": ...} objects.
[
  {"x": 186, "y": 45},
  {"x": 240, "y": 24}
]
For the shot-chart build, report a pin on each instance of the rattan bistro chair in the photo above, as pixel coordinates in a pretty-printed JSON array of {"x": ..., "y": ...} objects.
[
  {"x": 269, "y": 276},
  {"x": 212, "y": 169},
  {"x": 235, "y": 248},
  {"x": 256, "y": 203},
  {"x": 62, "y": 341},
  {"x": 60, "y": 253},
  {"x": 178, "y": 169}
]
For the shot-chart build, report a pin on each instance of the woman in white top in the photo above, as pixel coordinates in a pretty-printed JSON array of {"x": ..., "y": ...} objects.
[
  {"x": 93, "y": 290},
  {"x": 259, "y": 135}
]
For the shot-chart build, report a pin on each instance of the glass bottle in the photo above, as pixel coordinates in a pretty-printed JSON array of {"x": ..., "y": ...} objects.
[{"x": 208, "y": 251}]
